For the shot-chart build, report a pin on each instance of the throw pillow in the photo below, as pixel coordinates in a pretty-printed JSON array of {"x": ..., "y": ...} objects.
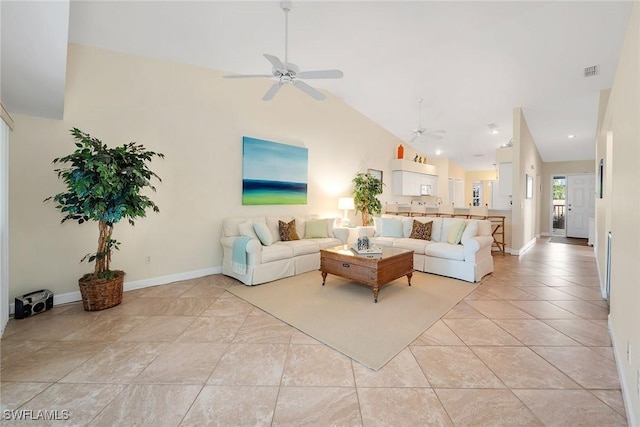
[
  {"x": 263, "y": 233},
  {"x": 288, "y": 230},
  {"x": 315, "y": 228},
  {"x": 421, "y": 231},
  {"x": 246, "y": 229},
  {"x": 455, "y": 232},
  {"x": 391, "y": 227}
]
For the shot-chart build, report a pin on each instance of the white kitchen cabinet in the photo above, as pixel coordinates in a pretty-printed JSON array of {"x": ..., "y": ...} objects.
[{"x": 407, "y": 183}]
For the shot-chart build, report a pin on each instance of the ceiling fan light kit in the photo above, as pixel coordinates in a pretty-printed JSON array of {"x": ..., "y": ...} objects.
[{"x": 286, "y": 72}]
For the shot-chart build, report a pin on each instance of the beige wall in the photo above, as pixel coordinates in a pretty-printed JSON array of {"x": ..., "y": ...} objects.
[
  {"x": 526, "y": 160},
  {"x": 557, "y": 168},
  {"x": 197, "y": 119},
  {"x": 621, "y": 125}
]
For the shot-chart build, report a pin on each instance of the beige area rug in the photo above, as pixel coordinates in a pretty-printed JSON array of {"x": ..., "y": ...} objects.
[{"x": 342, "y": 313}]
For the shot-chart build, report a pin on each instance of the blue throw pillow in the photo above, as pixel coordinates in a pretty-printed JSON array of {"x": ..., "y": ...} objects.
[{"x": 391, "y": 227}]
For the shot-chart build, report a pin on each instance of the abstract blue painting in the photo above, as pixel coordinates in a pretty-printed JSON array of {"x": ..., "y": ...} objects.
[{"x": 273, "y": 173}]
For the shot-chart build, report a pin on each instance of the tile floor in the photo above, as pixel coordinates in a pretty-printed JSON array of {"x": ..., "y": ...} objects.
[{"x": 529, "y": 347}]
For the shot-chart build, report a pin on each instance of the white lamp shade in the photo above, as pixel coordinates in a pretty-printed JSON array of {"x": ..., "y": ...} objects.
[{"x": 346, "y": 203}]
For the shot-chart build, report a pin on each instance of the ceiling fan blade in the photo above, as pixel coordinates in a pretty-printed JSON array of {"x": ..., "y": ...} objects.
[
  {"x": 320, "y": 74},
  {"x": 309, "y": 90},
  {"x": 413, "y": 138},
  {"x": 247, "y": 76},
  {"x": 433, "y": 135},
  {"x": 437, "y": 131},
  {"x": 272, "y": 91},
  {"x": 275, "y": 61}
]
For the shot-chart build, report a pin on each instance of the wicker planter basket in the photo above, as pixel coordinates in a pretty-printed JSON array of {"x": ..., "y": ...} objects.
[{"x": 100, "y": 294}]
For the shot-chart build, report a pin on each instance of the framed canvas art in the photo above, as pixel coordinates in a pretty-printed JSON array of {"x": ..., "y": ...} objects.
[{"x": 273, "y": 173}]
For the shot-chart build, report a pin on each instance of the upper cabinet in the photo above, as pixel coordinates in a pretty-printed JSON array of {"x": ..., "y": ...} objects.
[{"x": 413, "y": 179}]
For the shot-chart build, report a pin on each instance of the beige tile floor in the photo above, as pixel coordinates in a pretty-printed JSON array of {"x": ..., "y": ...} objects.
[{"x": 528, "y": 347}]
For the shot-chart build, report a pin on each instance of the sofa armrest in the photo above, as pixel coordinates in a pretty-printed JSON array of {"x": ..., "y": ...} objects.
[
  {"x": 341, "y": 233},
  {"x": 254, "y": 249},
  {"x": 366, "y": 230},
  {"x": 473, "y": 245}
]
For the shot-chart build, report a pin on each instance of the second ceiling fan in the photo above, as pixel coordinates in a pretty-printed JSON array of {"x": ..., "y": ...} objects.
[
  {"x": 286, "y": 72},
  {"x": 420, "y": 131}
]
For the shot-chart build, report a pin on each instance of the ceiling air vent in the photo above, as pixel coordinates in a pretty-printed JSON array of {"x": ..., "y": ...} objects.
[{"x": 591, "y": 71}]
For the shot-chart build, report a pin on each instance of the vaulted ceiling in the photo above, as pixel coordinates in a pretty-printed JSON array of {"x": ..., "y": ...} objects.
[{"x": 471, "y": 62}]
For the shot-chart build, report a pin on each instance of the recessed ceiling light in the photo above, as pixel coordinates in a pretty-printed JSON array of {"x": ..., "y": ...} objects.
[
  {"x": 438, "y": 152},
  {"x": 571, "y": 136},
  {"x": 495, "y": 131}
]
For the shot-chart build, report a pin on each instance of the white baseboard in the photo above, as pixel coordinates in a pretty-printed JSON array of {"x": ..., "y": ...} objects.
[
  {"x": 525, "y": 248},
  {"x": 627, "y": 389},
  {"x": 136, "y": 284}
]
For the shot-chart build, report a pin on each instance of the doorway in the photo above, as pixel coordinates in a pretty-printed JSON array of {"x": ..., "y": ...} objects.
[
  {"x": 572, "y": 204},
  {"x": 558, "y": 205},
  {"x": 580, "y": 204}
]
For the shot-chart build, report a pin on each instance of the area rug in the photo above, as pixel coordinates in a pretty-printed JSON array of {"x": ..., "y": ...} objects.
[
  {"x": 342, "y": 314},
  {"x": 570, "y": 241}
]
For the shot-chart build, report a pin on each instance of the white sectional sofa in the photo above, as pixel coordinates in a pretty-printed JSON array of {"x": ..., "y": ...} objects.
[
  {"x": 466, "y": 255},
  {"x": 269, "y": 258}
]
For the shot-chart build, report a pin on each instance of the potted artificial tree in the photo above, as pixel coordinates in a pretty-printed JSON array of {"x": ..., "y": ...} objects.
[
  {"x": 365, "y": 189},
  {"x": 104, "y": 185}
]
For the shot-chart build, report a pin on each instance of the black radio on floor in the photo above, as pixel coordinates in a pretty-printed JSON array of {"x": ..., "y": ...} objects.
[{"x": 33, "y": 303}]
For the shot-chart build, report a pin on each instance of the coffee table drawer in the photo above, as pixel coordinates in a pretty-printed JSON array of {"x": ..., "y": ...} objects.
[{"x": 349, "y": 270}]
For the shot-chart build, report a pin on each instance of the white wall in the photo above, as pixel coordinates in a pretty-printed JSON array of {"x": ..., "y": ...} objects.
[
  {"x": 6, "y": 123},
  {"x": 526, "y": 160},
  {"x": 197, "y": 119},
  {"x": 621, "y": 205}
]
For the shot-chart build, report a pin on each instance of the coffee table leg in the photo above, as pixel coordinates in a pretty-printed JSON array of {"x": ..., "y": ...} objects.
[
  {"x": 409, "y": 278},
  {"x": 324, "y": 277},
  {"x": 375, "y": 293}
]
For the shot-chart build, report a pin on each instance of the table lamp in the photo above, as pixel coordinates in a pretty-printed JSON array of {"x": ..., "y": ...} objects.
[{"x": 346, "y": 204}]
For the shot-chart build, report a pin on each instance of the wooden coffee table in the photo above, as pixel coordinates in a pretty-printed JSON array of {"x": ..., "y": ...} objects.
[{"x": 374, "y": 272}]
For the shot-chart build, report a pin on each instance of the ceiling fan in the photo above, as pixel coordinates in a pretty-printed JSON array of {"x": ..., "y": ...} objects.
[
  {"x": 286, "y": 72},
  {"x": 420, "y": 131}
]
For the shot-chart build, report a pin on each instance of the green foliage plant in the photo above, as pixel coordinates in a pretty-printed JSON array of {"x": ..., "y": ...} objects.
[
  {"x": 104, "y": 185},
  {"x": 365, "y": 189}
]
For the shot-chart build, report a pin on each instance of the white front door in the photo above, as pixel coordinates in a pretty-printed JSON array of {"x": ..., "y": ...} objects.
[{"x": 580, "y": 204}]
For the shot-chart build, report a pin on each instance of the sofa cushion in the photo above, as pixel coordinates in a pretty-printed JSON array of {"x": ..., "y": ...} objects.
[
  {"x": 230, "y": 225},
  {"x": 436, "y": 227},
  {"x": 484, "y": 227},
  {"x": 471, "y": 230},
  {"x": 455, "y": 232},
  {"x": 274, "y": 228},
  {"x": 263, "y": 233},
  {"x": 328, "y": 242},
  {"x": 445, "y": 250},
  {"x": 246, "y": 229},
  {"x": 383, "y": 241},
  {"x": 421, "y": 230},
  {"x": 287, "y": 230},
  {"x": 316, "y": 228},
  {"x": 300, "y": 247},
  {"x": 275, "y": 253},
  {"x": 391, "y": 227},
  {"x": 416, "y": 245}
]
